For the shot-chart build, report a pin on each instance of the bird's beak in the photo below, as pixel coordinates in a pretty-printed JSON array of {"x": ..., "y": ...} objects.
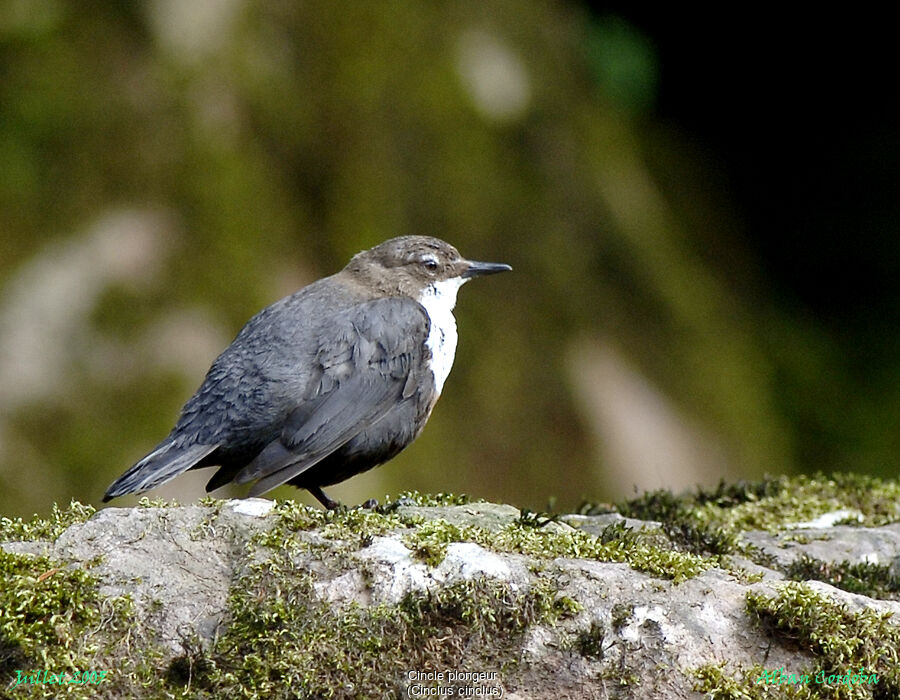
[{"x": 476, "y": 269}]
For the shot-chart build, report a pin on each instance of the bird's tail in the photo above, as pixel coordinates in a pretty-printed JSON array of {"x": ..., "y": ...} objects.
[{"x": 165, "y": 462}]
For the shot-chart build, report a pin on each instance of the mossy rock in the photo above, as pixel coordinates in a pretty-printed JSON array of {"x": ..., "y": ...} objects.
[{"x": 437, "y": 594}]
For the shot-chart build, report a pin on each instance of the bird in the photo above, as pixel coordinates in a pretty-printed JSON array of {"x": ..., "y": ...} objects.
[{"x": 329, "y": 382}]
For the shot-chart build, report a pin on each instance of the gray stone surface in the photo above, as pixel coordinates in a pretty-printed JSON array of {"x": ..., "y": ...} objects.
[
  {"x": 596, "y": 524},
  {"x": 178, "y": 564},
  {"x": 858, "y": 545}
]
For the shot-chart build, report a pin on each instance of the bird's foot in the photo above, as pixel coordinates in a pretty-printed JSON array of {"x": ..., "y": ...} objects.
[{"x": 323, "y": 499}]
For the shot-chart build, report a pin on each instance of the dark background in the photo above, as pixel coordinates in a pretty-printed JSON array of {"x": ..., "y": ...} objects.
[
  {"x": 796, "y": 113},
  {"x": 799, "y": 114}
]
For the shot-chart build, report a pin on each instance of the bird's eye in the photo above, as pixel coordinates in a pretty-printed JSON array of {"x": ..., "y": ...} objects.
[{"x": 430, "y": 263}]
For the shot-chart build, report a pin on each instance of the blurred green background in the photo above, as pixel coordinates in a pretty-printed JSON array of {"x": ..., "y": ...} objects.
[{"x": 701, "y": 215}]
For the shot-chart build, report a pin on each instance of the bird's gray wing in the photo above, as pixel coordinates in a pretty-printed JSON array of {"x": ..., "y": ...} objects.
[{"x": 372, "y": 359}]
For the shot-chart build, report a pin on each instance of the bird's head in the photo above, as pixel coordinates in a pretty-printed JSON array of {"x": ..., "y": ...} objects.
[{"x": 414, "y": 266}]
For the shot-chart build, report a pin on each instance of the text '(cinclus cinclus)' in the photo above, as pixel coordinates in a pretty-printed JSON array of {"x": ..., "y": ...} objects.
[{"x": 331, "y": 381}]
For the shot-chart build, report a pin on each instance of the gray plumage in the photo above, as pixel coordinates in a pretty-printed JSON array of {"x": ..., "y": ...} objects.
[{"x": 328, "y": 382}]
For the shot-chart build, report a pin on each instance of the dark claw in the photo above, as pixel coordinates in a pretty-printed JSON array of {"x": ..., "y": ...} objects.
[{"x": 323, "y": 499}]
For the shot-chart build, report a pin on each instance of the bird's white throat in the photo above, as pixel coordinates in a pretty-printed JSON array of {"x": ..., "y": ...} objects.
[{"x": 439, "y": 299}]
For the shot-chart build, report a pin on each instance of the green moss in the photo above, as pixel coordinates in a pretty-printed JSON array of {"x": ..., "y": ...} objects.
[
  {"x": 426, "y": 500},
  {"x": 622, "y": 546},
  {"x": 50, "y": 528},
  {"x": 355, "y": 525},
  {"x": 208, "y": 525},
  {"x": 873, "y": 580},
  {"x": 746, "y": 577},
  {"x": 147, "y": 502},
  {"x": 283, "y": 643},
  {"x": 567, "y": 606},
  {"x": 710, "y": 520},
  {"x": 714, "y": 682},
  {"x": 841, "y": 642},
  {"x": 529, "y": 518},
  {"x": 529, "y": 536},
  {"x": 678, "y": 516},
  {"x": 760, "y": 683},
  {"x": 621, "y": 613},
  {"x": 430, "y": 539},
  {"x": 589, "y": 642},
  {"x": 54, "y": 619}
]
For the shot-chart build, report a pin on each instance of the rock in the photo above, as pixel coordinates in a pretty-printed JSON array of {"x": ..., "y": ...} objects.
[
  {"x": 839, "y": 543},
  {"x": 490, "y": 516},
  {"x": 596, "y": 524},
  {"x": 290, "y": 601}
]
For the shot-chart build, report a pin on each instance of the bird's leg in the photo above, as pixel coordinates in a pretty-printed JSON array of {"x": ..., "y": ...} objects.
[{"x": 322, "y": 498}]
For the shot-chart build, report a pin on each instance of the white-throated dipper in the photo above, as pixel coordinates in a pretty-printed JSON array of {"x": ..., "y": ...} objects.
[{"x": 331, "y": 381}]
